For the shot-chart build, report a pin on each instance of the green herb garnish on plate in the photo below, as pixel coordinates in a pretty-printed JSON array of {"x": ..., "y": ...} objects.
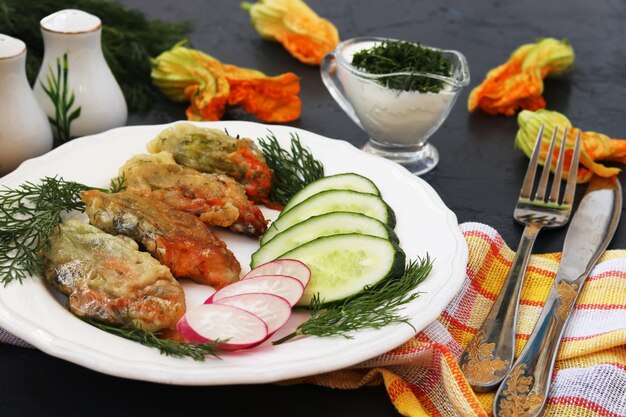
[
  {"x": 195, "y": 351},
  {"x": 373, "y": 308},
  {"x": 400, "y": 56},
  {"x": 29, "y": 215},
  {"x": 292, "y": 169}
]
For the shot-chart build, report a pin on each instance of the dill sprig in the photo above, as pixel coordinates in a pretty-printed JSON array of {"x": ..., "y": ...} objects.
[
  {"x": 117, "y": 184},
  {"x": 374, "y": 307},
  {"x": 29, "y": 215},
  {"x": 399, "y": 56},
  {"x": 292, "y": 170},
  {"x": 196, "y": 351}
]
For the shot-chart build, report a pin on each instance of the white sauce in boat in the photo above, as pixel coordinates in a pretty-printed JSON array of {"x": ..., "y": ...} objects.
[{"x": 393, "y": 116}]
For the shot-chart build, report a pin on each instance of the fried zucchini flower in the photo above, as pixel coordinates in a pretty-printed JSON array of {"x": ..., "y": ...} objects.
[
  {"x": 296, "y": 26},
  {"x": 518, "y": 83},
  {"x": 212, "y": 150},
  {"x": 185, "y": 74},
  {"x": 594, "y": 146}
]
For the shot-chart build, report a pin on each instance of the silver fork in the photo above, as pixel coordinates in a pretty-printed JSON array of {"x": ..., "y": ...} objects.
[{"x": 489, "y": 355}]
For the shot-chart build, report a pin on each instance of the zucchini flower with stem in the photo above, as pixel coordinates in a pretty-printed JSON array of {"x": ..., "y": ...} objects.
[
  {"x": 296, "y": 26},
  {"x": 186, "y": 74},
  {"x": 518, "y": 83},
  {"x": 594, "y": 146},
  {"x": 182, "y": 75}
]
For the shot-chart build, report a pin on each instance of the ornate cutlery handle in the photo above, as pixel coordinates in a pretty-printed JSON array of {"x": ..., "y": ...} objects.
[
  {"x": 489, "y": 355},
  {"x": 525, "y": 389}
]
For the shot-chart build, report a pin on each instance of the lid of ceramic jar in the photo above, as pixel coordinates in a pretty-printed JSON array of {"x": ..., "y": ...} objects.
[
  {"x": 11, "y": 47},
  {"x": 71, "y": 21}
]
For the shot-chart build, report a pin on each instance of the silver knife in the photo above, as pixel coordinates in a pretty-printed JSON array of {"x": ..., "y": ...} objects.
[{"x": 524, "y": 390}]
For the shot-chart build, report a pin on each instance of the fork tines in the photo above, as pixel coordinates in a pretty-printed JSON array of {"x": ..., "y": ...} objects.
[{"x": 529, "y": 179}]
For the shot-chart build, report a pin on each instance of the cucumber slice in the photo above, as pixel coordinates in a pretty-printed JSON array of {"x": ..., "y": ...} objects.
[
  {"x": 347, "y": 181},
  {"x": 342, "y": 265},
  {"x": 335, "y": 223},
  {"x": 330, "y": 201}
]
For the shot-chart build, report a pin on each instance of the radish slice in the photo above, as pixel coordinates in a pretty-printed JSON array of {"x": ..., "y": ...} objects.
[
  {"x": 283, "y": 286},
  {"x": 289, "y": 267},
  {"x": 209, "y": 322},
  {"x": 272, "y": 309}
]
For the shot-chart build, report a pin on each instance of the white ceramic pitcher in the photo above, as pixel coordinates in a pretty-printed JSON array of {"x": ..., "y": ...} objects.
[
  {"x": 24, "y": 128},
  {"x": 75, "y": 85}
]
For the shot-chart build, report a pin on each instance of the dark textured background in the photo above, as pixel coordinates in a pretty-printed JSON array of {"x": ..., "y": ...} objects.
[{"x": 478, "y": 177}]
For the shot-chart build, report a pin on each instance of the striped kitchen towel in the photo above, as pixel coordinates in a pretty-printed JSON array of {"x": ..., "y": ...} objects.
[{"x": 423, "y": 377}]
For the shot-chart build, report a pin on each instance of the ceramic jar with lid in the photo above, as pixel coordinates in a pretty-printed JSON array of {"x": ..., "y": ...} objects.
[
  {"x": 24, "y": 128},
  {"x": 75, "y": 85}
]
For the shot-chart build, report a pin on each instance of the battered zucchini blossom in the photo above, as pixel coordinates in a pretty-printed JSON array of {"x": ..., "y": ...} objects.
[
  {"x": 107, "y": 279},
  {"x": 217, "y": 199},
  {"x": 212, "y": 150},
  {"x": 177, "y": 239}
]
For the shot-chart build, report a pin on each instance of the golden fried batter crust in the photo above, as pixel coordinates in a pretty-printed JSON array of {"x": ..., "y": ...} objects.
[
  {"x": 107, "y": 279},
  {"x": 212, "y": 150},
  {"x": 179, "y": 240},
  {"x": 216, "y": 198}
]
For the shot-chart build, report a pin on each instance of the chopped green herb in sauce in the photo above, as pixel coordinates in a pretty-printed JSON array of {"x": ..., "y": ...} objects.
[{"x": 400, "y": 56}]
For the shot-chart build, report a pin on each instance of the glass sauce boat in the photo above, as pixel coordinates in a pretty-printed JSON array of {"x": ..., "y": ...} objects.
[{"x": 397, "y": 122}]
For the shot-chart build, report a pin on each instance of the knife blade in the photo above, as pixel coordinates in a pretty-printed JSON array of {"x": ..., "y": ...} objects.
[
  {"x": 591, "y": 229},
  {"x": 524, "y": 390}
]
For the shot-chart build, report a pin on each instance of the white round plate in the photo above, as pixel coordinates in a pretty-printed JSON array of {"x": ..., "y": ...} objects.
[{"x": 33, "y": 311}]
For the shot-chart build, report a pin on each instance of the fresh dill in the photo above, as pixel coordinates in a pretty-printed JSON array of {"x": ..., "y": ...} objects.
[
  {"x": 292, "y": 169},
  {"x": 374, "y": 307},
  {"x": 400, "y": 56},
  {"x": 29, "y": 215},
  {"x": 117, "y": 184},
  {"x": 196, "y": 351}
]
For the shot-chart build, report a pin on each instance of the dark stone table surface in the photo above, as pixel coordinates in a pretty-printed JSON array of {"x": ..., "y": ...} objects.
[{"x": 478, "y": 177}]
